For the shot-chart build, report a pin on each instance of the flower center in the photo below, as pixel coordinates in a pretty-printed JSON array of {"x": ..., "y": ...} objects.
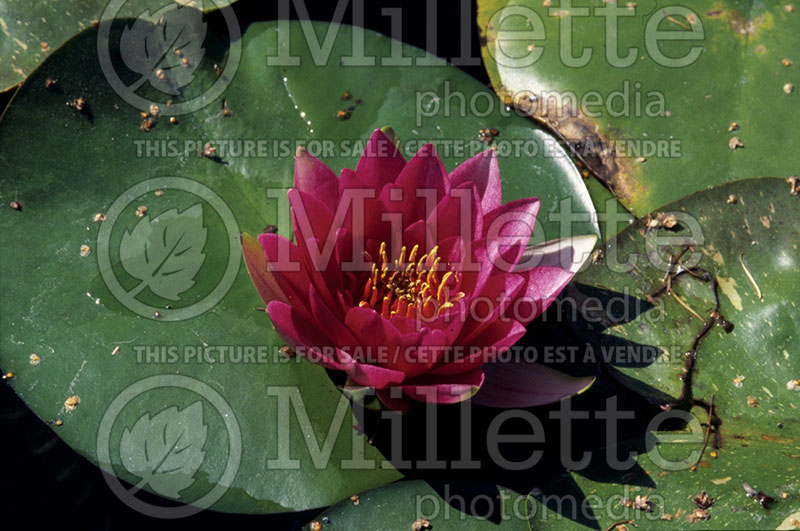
[{"x": 409, "y": 286}]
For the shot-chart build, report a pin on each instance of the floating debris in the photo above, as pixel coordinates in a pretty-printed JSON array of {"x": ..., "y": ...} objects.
[
  {"x": 59, "y": 422},
  {"x": 750, "y": 276},
  {"x": 315, "y": 526},
  {"x": 788, "y": 88},
  {"x": 85, "y": 250},
  {"x": 786, "y": 62},
  {"x": 733, "y": 127},
  {"x": 793, "y": 385},
  {"x": 8, "y": 375},
  {"x": 79, "y": 104},
  {"x": 343, "y": 114},
  {"x": 226, "y": 111},
  {"x": 209, "y": 151},
  {"x": 347, "y": 95},
  {"x": 141, "y": 211},
  {"x": 752, "y": 401},
  {"x": 173, "y": 120},
  {"x": 159, "y": 193},
  {"x": 154, "y": 110},
  {"x": 270, "y": 229},
  {"x": 703, "y": 500},
  {"x": 487, "y": 135},
  {"x": 72, "y": 402},
  {"x": 99, "y": 217},
  {"x": 420, "y": 525},
  {"x": 354, "y": 499},
  {"x": 739, "y": 381},
  {"x": 734, "y": 143},
  {"x": 15, "y": 205},
  {"x": 156, "y": 315},
  {"x": 35, "y": 359},
  {"x": 732, "y": 199},
  {"x": 50, "y": 83},
  {"x": 697, "y": 515},
  {"x": 115, "y": 351},
  {"x": 794, "y": 184}
]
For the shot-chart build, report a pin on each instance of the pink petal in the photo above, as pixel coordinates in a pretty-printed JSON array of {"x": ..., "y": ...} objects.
[
  {"x": 508, "y": 231},
  {"x": 313, "y": 177},
  {"x": 482, "y": 170},
  {"x": 495, "y": 340},
  {"x": 366, "y": 374},
  {"x": 300, "y": 334},
  {"x": 543, "y": 286},
  {"x": 398, "y": 402},
  {"x": 485, "y": 309},
  {"x": 515, "y": 384},
  {"x": 380, "y": 163},
  {"x": 459, "y": 214},
  {"x": 445, "y": 389},
  {"x": 424, "y": 174}
]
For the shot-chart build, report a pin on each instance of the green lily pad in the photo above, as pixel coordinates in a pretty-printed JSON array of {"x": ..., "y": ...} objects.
[
  {"x": 31, "y": 31},
  {"x": 430, "y": 505},
  {"x": 117, "y": 353},
  {"x": 659, "y": 84},
  {"x": 741, "y": 234}
]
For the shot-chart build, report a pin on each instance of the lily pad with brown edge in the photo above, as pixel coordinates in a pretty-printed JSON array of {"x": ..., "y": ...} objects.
[
  {"x": 644, "y": 309},
  {"x": 116, "y": 349},
  {"x": 658, "y": 99}
]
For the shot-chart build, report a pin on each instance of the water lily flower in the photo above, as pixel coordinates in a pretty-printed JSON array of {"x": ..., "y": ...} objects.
[{"x": 413, "y": 281}]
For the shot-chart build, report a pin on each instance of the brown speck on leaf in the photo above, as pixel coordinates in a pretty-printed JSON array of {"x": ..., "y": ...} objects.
[
  {"x": 45, "y": 47},
  {"x": 354, "y": 499},
  {"x": 178, "y": 52},
  {"x": 15, "y": 205},
  {"x": 642, "y": 503},
  {"x": 154, "y": 110},
  {"x": 789, "y": 8},
  {"x": 159, "y": 193},
  {"x": 738, "y": 381},
  {"x": 59, "y": 422},
  {"x": 359, "y": 101},
  {"x": 185, "y": 61},
  {"x": 734, "y": 143},
  {"x": 141, "y": 211},
  {"x": 226, "y": 111},
  {"x": 270, "y": 229},
  {"x": 315, "y": 526},
  {"x": 173, "y": 120},
  {"x": 160, "y": 74},
  {"x": 597, "y": 255},
  {"x": 115, "y": 351},
  {"x": 714, "y": 13},
  {"x": 343, "y": 114},
  {"x": 784, "y": 495},
  {"x": 697, "y": 515},
  {"x": 156, "y": 315},
  {"x": 713, "y": 454},
  {"x": 85, "y": 250},
  {"x": 703, "y": 500},
  {"x": 691, "y": 18},
  {"x": 752, "y": 401},
  {"x": 209, "y": 150},
  {"x": 793, "y": 385},
  {"x": 788, "y": 88},
  {"x": 79, "y": 104},
  {"x": 667, "y": 517},
  {"x": 420, "y": 525},
  {"x": 8, "y": 375},
  {"x": 546, "y": 3},
  {"x": 347, "y": 95},
  {"x": 147, "y": 124},
  {"x": 786, "y": 62},
  {"x": 72, "y": 402},
  {"x": 287, "y": 352},
  {"x": 794, "y": 184},
  {"x": 732, "y": 199},
  {"x": 50, "y": 83},
  {"x": 35, "y": 359},
  {"x": 99, "y": 217},
  {"x": 669, "y": 222},
  {"x": 218, "y": 70},
  {"x": 733, "y": 127}
]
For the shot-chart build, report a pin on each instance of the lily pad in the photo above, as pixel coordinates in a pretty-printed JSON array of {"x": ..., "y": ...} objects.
[
  {"x": 116, "y": 350},
  {"x": 740, "y": 237},
  {"x": 661, "y": 85},
  {"x": 33, "y": 30},
  {"x": 420, "y": 506}
]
